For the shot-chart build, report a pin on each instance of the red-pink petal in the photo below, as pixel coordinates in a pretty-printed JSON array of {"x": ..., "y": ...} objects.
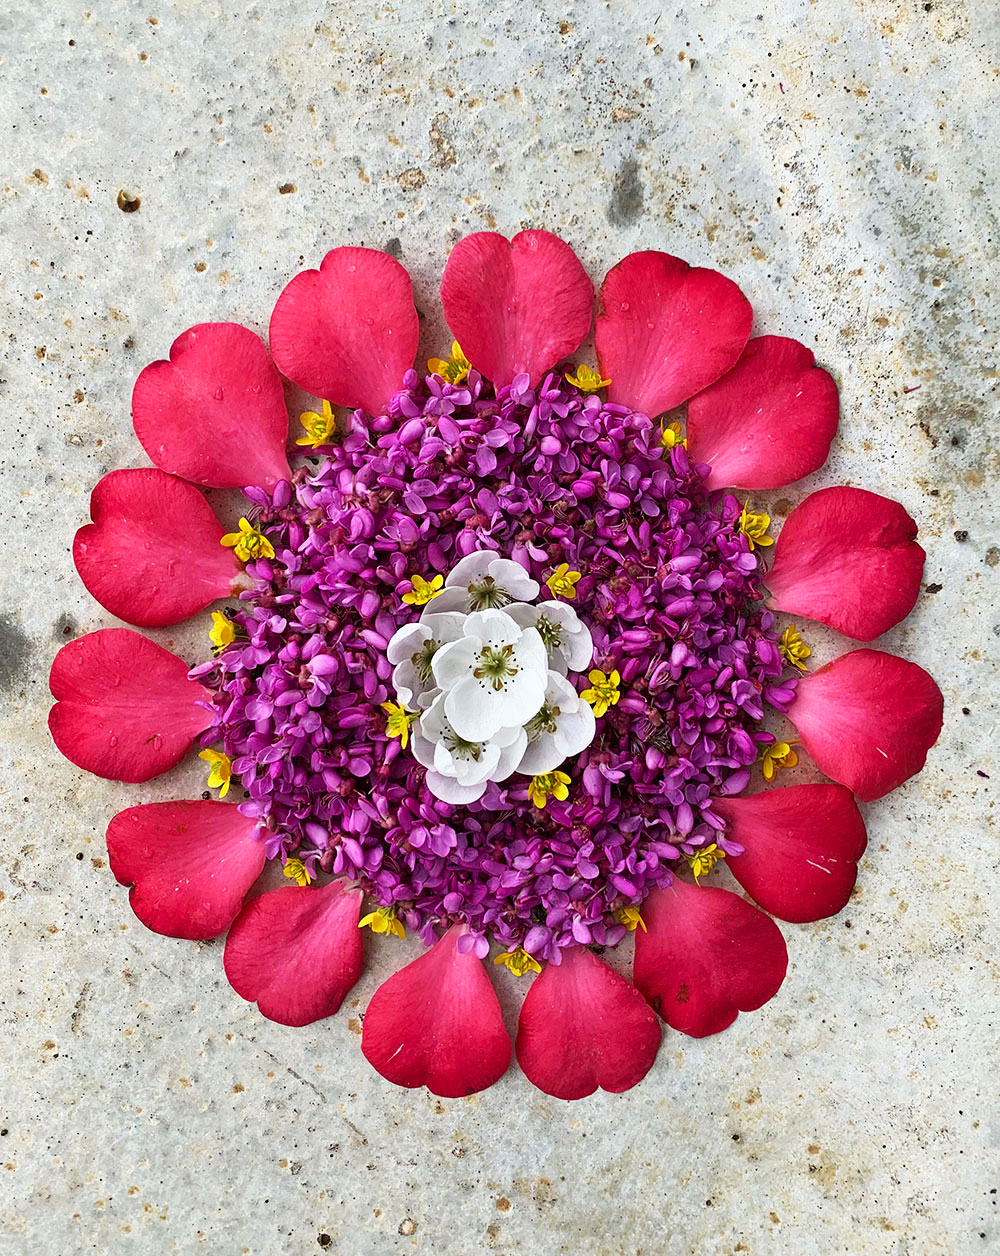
[
  {"x": 847, "y": 558},
  {"x": 801, "y": 848},
  {"x": 348, "y": 331},
  {"x": 868, "y": 719},
  {"x": 297, "y": 952},
  {"x": 125, "y": 709},
  {"x": 666, "y": 330},
  {"x": 437, "y": 1023},
  {"x": 706, "y": 955},
  {"x": 518, "y": 305},
  {"x": 152, "y": 556},
  {"x": 189, "y": 864},
  {"x": 215, "y": 413},
  {"x": 768, "y": 421},
  {"x": 584, "y": 1026}
]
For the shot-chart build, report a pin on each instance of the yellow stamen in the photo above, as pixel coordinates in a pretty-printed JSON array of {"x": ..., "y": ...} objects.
[
  {"x": 562, "y": 582},
  {"x": 398, "y": 721},
  {"x": 587, "y": 379},
  {"x": 454, "y": 370},
  {"x": 548, "y": 785},
  {"x": 248, "y": 543},
  {"x": 320, "y": 429},
  {"x": 383, "y": 920},
  {"x": 705, "y": 859},
  {"x": 605, "y": 692},
  {"x": 773, "y": 758},
  {"x": 220, "y": 770},
  {"x": 222, "y": 632},
  {"x": 423, "y": 591},
  {"x": 671, "y": 436},
  {"x": 754, "y": 527},
  {"x": 295, "y": 870},
  {"x": 793, "y": 648},
  {"x": 519, "y": 962},
  {"x": 630, "y": 918}
]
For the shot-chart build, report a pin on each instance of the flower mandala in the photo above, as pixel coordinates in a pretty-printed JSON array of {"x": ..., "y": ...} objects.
[{"x": 496, "y": 657}]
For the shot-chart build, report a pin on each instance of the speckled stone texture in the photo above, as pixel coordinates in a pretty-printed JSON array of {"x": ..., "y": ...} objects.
[{"x": 838, "y": 159}]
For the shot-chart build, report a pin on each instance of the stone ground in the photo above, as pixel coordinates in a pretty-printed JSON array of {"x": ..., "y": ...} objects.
[{"x": 838, "y": 160}]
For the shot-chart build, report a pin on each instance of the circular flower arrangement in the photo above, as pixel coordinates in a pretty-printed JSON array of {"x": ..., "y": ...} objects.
[{"x": 499, "y": 656}]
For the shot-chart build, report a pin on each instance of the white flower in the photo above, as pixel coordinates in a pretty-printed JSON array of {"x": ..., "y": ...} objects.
[
  {"x": 494, "y": 676},
  {"x": 566, "y": 637},
  {"x": 459, "y": 770},
  {"x": 410, "y": 651},
  {"x": 564, "y": 726},
  {"x": 484, "y": 581}
]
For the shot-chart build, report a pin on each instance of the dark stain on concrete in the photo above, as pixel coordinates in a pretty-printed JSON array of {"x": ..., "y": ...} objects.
[
  {"x": 65, "y": 628},
  {"x": 15, "y": 652},
  {"x": 628, "y": 197}
]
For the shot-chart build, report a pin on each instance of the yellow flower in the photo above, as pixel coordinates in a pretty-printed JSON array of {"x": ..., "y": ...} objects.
[
  {"x": 383, "y": 920},
  {"x": 548, "y": 785},
  {"x": 424, "y": 591},
  {"x": 671, "y": 436},
  {"x": 705, "y": 859},
  {"x": 630, "y": 918},
  {"x": 222, "y": 632},
  {"x": 248, "y": 543},
  {"x": 587, "y": 380},
  {"x": 321, "y": 429},
  {"x": 793, "y": 648},
  {"x": 454, "y": 370},
  {"x": 398, "y": 721},
  {"x": 562, "y": 582},
  {"x": 295, "y": 870},
  {"x": 773, "y": 758},
  {"x": 605, "y": 692},
  {"x": 221, "y": 770},
  {"x": 754, "y": 527},
  {"x": 519, "y": 962}
]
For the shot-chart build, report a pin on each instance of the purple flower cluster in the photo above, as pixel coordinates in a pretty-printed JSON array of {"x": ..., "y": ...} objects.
[{"x": 669, "y": 591}]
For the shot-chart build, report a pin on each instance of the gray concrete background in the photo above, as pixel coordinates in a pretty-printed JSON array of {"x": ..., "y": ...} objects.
[{"x": 838, "y": 159}]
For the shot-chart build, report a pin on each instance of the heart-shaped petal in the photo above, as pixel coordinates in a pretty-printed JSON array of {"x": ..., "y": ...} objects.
[
  {"x": 666, "y": 330},
  {"x": 582, "y": 1027},
  {"x": 215, "y": 413},
  {"x": 125, "y": 707},
  {"x": 296, "y": 952},
  {"x": 152, "y": 555},
  {"x": 190, "y": 864},
  {"x": 517, "y": 305},
  {"x": 437, "y": 1023},
  {"x": 348, "y": 331},
  {"x": 705, "y": 956}
]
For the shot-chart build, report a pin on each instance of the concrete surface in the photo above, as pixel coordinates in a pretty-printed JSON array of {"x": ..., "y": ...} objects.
[{"x": 838, "y": 159}]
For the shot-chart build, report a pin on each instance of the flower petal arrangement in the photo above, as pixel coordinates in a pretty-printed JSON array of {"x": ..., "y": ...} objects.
[{"x": 496, "y": 657}]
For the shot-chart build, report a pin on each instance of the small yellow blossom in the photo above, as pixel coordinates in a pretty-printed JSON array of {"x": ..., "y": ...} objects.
[
  {"x": 320, "y": 429},
  {"x": 631, "y": 918},
  {"x": 671, "y": 436},
  {"x": 424, "y": 591},
  {"x": 383, "y": 920},
  {"x": 519, "y": 962},
  {"x": 222, "y": 632},
  {"x": 248, "y": 543},
  {"x": 398, "y": 721},
  {"x": 295, "y": 870},
  {"x": 705, "y": 859},
  {"x": 754, "y": 527},
  {"x": 548, "y": 785},
  {"x": 587, "y": 379},
  {"x": 221, "y": 770},
  {"x": 780, "y": 755},
  {"x": 793, "y": 648},
  {"x": 454, "y": 370},
  {"x": 562, "y": 582},
  {"x": 605, "y": 692}
]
